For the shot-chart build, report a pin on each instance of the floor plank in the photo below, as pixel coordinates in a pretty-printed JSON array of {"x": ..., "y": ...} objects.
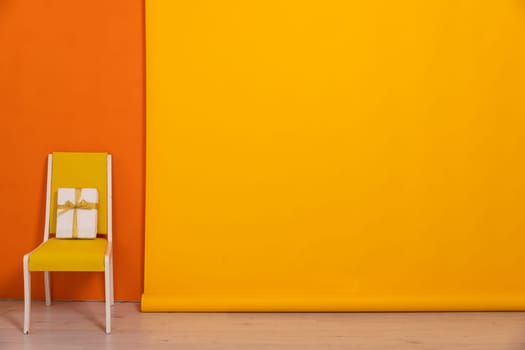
[{"x": 80, "y": 325}]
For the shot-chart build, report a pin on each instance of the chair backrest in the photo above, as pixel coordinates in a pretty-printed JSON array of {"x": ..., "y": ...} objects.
[{"x": 88, "y": 170}]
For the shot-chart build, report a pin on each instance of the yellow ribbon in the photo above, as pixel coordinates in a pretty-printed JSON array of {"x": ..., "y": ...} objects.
[{"x": 79, "y": 204}]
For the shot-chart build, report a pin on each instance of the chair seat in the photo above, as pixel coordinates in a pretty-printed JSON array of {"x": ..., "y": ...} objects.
[{"x": 69, "y": 255}]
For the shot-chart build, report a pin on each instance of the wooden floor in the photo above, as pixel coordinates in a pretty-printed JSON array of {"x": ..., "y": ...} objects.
[{"x": 79, "y": 325}]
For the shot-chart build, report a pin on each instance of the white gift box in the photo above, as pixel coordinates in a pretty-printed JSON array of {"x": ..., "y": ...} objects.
[{"x": 81, "y": 203}]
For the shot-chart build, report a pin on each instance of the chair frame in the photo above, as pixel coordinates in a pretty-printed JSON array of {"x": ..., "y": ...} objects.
[{"x": 108, "y": 257}]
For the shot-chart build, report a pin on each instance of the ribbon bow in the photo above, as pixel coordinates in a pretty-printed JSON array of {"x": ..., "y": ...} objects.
[{"x": 79, "y": 204}]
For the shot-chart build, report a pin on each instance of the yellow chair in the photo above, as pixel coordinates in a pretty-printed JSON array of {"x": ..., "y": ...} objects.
[{"x": 77, "y": 170}]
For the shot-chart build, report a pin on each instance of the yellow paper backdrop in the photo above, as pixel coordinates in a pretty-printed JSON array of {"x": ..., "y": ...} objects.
[{"x": 335, "y": 155}]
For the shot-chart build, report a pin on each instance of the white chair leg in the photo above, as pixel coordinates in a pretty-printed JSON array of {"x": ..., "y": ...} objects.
[
  {"x": 27, "y": 294},
  {"x": 47, "y": 285},
  {"x": 107, "y": 287},
  {"x": 112, "y": 281}
]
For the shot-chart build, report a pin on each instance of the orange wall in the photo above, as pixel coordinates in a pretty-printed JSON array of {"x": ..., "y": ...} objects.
[{"x": 71, "y": 79}]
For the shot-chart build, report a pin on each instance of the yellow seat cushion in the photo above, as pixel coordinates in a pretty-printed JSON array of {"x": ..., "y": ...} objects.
[{"x": 69, "y": 255}]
